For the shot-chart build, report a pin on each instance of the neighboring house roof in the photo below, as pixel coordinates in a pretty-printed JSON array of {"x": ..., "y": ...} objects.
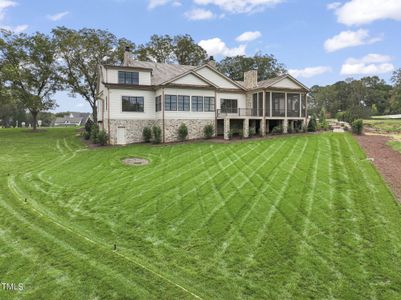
[
  {"x": 161, "y": 72},
  {"x": 73, "y": 118}
]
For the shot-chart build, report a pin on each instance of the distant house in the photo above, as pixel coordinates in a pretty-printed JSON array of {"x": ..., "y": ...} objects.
[{"x": 72, "y": 119}]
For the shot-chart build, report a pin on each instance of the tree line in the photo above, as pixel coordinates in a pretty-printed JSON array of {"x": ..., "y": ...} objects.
[
  {"x": 33, "y": 67},
  {"x": 358, "y": 98}
]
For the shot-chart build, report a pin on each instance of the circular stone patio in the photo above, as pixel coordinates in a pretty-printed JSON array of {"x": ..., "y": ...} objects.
[{"x": 135, "y": 161}]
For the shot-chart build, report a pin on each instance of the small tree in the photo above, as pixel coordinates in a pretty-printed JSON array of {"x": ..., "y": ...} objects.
[
  {"x": 182, "y": 132},
  {"x": 312, "y": 125},
  {"x": 208, "y": 131},
  {"x": 251, "y": 132},
  {"x": 147, "y": 134},
  {"x": 157, "y": 134},
  {"x": 102, "y": 138},
  {"x": 88, "y": 125},
  {"x": 357, "y": 126},
  {"x": 94, "y": 133}
]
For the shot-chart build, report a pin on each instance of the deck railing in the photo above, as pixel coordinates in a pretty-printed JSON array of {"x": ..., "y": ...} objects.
[{"x": 241, "y": 112}]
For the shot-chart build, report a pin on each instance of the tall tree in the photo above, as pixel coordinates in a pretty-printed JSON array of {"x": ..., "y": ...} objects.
[
  {"x": 82, "y": 52},
  {"x": 187, "y": 52},
  {"x": 160, "y": 49},
  {"x": 31, "y": 70},
  {"x": 395, "y": 100},
  {"x": 267, "y": 66}
]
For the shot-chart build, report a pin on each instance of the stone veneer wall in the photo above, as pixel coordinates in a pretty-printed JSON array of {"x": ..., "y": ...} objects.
[
  {"x": 133, "y": 129},
  {"x": 195, "y": 128}
]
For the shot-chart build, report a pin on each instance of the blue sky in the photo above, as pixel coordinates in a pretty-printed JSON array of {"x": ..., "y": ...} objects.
[{"x": 320, "y": 42}]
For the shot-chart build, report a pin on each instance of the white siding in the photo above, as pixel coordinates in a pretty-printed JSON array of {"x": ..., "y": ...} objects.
[
  {"x": 286, "y": 84},
  {"x": 189, "y": 114},
  {"x": 112, "y": 76},
  {"x": 116, "y": 105},
  {"x": 190, "y": 79},
  {"x": 217, "y": 79}
]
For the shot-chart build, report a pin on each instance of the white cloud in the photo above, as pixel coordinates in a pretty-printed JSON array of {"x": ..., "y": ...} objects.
[
  {"x": 155, "y": 3},
  {"x": 333, "y": 5},
  {"x": 58, "y": 16},
  {"x": 357, "y": 12},
  {"x": 199, "y": 14},
  {"x": 15, "y": 29},
  {"x": 309, "y": 71},
  {"x": 371, "y": 64},
  {"x": 248, "y": 36},
  {"x": 240, "y": 6},
  {"x": 4, "y": 4},
  {"x": 346, "y": 39},
  {"x": 216, "y": 47}
]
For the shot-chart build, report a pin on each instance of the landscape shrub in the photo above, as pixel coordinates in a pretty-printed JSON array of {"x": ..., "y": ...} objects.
[
  {"x": 157, "y": 134},
  {"x": 208, "y": 131},
  {"x": 94, "y": 133},
  {"x": 231, "y": 133},
  {"x": 241, "y": 133},
  {"x": 357, "y": 126},
  {"x": 277, "y": 129},
  {"x": 312, "y": 125},
  {"x": 147, "y": 134},
  {"x": 324, "y": 125},
  {"x": 252, "y": 132},
  {"x": 290, "y": 130},
  {"x": 102, "y": 138},
  {"x": 87, "y": 135},
  {"x": 88, "y": 125},
  {"x": 182, "y": 132}
]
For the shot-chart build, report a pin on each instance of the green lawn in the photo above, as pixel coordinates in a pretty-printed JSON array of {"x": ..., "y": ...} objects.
[
  {"x": 292, "y": 217},
  {"x": 384, "y": 125}
]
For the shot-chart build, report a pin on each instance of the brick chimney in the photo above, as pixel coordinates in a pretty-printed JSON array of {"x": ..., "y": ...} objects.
[
  {"x": 211, "y": 62},
  {"x": 127, "y": 56},
  {"x": 251, "y": 79}
]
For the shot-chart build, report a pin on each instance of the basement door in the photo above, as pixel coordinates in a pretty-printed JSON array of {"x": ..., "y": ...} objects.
[{"x": 121, "y": 136}]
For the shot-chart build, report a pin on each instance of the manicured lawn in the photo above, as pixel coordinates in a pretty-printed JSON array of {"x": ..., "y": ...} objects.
[
  {"x": 384, "y": 125},
  {"x": 396, "y": 145},
  {"x": 293, "y": 217}
]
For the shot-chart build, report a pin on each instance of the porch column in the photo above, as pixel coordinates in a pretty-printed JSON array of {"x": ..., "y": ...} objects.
[
  {"x": 285, "y": 125},
  {"x": 245, "y": 128},
  {"x": 263, "y": 126},
  {"x": 226, "y": 128}
]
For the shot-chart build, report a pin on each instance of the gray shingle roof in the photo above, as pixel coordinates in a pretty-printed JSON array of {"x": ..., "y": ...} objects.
[
  {"x": 161, "y": 72},
  {"x": 68, "y": 120},
  {"x": 268, "y": 82}
]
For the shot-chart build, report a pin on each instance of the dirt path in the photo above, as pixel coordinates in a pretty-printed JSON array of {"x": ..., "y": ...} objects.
[{"x": 386, "y": 160}]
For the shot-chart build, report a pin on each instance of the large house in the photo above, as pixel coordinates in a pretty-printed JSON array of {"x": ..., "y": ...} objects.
[{"x": 138, "y": 94}]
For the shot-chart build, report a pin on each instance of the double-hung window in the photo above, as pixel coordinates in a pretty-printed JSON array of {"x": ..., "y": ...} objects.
[
  {"x": 132, "y": 104},
  {"x": 170, "y": 102},
  {"x": 184, "y": 103},
  {"x": 197, "y": 103},
  {"x": 128, "y": 77},
  {"x": 209, "y": 104}
]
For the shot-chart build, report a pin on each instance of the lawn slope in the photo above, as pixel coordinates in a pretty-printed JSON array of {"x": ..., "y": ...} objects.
[{"x": 292, "y": 217}]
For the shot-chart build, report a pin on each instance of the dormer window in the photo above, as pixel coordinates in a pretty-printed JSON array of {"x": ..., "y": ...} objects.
[{"x": 128, "y": 77}]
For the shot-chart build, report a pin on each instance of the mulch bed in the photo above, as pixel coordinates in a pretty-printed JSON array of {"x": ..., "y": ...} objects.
[{"x": 386, "y": 160}]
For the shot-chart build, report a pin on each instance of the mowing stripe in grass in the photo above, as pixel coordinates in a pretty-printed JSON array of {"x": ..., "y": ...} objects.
[{"x": 103, "y": 246}]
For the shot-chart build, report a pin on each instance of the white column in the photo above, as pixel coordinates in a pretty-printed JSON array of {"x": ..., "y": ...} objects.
[
  {"x": 245, "y": 128},
  {"x": 300, "y": 105},
  {"x": 226, "y": 128},
  {"x": 285, "y": 125},
  {"x": 285, "y": 105},
  {"x": 270, "y": 103}
]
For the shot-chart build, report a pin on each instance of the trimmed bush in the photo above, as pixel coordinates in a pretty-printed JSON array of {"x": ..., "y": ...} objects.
[
  {"x": 357, "y": 126},
  {"x": 277, "y": 130},
  {"x": 87, "y": 135},
  {"x": 88, "y": 125},
  {"x": 147, "y": 134},
  {"x": 182, "y": 132},
  {"x": 312, "y": 125},
  {"x": 231, "y": 133},
  {"x": 157, "y": 134},
  {"x": 251, "y": 132},
  {"x": 94, "y": 133},
  {"x": 102, "y": 138},
  {"x": 208, "y": 131}
]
